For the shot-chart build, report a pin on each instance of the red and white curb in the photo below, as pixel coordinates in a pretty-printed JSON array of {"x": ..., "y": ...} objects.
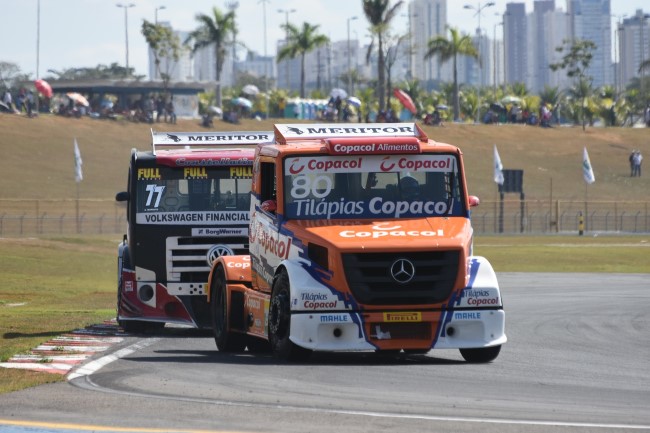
[{"x": 63, "y": 353}]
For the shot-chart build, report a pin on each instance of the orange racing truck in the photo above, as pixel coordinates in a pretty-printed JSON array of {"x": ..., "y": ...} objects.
[
  {"x": 187, "y": 203},
  {"x": 360, "y": 239}
]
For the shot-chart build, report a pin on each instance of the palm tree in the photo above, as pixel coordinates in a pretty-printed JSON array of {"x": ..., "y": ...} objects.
[
  {"x": 447, "y": 49},
  {"x": 214, "y": 29},
  {"x": 299, "y": 43},
  {"x": 379, "y": 14}
]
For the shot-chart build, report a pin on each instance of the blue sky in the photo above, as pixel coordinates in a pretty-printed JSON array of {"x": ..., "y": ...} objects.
[{"x": 85, "y": 33}]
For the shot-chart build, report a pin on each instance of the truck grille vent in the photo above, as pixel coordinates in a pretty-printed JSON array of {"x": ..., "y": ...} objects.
[
  {"x": 369, "y": 277},
  {"x": 187, "y": 257}
]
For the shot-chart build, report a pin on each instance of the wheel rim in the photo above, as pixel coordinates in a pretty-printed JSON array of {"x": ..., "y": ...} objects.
[{"x": 279, "y": 316}]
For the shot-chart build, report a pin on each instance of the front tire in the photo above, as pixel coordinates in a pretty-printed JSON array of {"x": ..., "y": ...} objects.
[
  {"x": 481, "y": 355},
  {"x": 280, "y": 322},
  {"x": 226, "y": 341}
]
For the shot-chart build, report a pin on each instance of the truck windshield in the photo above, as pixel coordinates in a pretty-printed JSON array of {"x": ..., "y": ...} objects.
[
  {"x": 198, "y": 192},
  {"x": 372, "y": 186}
]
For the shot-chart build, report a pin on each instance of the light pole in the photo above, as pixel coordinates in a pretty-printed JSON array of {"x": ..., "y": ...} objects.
[
  {"x": 617, "y": 59},
  {"x": 479, "y": 10},
  {"x": 159, "y": 8},
  {"x": 286, "y": 41},
  {"x": 350, "y": 67},
  {"x": 495, "y": 56},
  {"x": 266, "y": 63},
  {"x": 126, "y": 30}
]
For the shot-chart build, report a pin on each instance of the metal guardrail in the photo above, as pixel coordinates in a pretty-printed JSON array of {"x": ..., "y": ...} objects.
[{"x": 24, "y": 218}]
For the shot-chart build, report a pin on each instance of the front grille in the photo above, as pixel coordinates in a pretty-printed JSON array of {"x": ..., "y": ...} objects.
[
  {"x": 369, "y": 277},
  {"x": 187, "y": 256}
]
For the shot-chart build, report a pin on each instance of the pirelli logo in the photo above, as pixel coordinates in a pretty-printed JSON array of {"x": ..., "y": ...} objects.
[{"x": 405, "y": 316}]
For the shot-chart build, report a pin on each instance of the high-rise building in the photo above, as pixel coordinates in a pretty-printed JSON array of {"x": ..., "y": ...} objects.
[
  {"x": 634, "y": 45},
  {"x": 427, "y": 19},
  {"x": 591, "y": 20},
  {"x": 516, "y": 43},
  {"x": 548, "y": 27}
]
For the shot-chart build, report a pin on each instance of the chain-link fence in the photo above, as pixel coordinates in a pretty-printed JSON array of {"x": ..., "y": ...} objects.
[{"x": 22, "y": 218}]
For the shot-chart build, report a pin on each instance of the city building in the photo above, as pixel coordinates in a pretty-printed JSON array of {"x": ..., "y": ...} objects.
[
  {"x": 591, "y": 20},
  {"x": 634, "y": 46}
]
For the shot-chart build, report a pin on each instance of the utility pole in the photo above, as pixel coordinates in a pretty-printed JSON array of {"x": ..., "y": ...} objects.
[
  {"x": 126, "y": 8},
  {"x": 286, "y": 41},
  {"x": 479, "y": 10}
]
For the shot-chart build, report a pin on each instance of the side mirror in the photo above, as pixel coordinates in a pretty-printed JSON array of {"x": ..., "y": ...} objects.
[
  {"x": 269, "y": 206},
  {"x": 474, "y": 201},
  {"x": 122, "y": 196}
]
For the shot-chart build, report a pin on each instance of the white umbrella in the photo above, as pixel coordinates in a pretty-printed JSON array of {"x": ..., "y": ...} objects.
[
  {"x": 215, "y": 110},
  {"x": 339, "y": 93},
  {"x": 78, "y": 98},
  {"x": 511, "y": 100},
  {"x": 242, "y": 102},
  {"x": 353, "y": 100},
  {"x": 250, "y": 89}
]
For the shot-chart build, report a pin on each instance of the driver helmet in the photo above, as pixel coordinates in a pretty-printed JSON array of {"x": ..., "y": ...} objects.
[{"x": 410, "y": 188}]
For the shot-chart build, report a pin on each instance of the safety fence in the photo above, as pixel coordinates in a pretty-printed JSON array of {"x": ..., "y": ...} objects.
[{"x": 23, "y": 218}]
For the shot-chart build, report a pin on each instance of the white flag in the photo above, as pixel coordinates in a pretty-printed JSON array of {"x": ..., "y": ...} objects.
[
  {"x": 587, "y": 170},
  {"x": 78, "y": 174},
  {"x": 498, "y": 167}
]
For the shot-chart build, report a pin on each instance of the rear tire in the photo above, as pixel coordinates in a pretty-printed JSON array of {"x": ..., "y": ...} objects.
[
  {"x": 280, "y": 323},
  {"x": 481, "y": 355},
  {"x": 226, "y": 341}
]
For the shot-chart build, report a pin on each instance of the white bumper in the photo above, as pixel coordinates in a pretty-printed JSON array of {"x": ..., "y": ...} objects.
[{"x": 344, "y": 331}]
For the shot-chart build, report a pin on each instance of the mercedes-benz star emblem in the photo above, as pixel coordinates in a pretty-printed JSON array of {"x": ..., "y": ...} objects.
[
  {"x": 402, "y": 270},
  {"x": 217, "y": 251}
]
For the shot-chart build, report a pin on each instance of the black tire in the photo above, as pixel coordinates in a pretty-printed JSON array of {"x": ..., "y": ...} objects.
[
  {"x": 280, "y": 322},
  {"x": 482, "y": 355},
  {"x": 226, "y": 341}
]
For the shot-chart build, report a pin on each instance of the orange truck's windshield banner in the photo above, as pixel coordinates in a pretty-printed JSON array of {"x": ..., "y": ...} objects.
[{"x": 371, "y": 186}]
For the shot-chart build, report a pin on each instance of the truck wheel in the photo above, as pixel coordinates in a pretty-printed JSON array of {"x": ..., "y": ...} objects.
[
  {"x": 226, "y": 341},
  {"x": 280, "y": 323},
  {"x": 482, "y": 355}
]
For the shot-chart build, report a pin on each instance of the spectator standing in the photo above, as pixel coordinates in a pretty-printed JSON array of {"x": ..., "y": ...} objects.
[
  {"x": 160, "y": 109},
  {"x": 6, "y": 98},
  {"x": 636, "y": 161},
  {"x": 631, "y": 159},
  {"x": 170, "y": 111}
]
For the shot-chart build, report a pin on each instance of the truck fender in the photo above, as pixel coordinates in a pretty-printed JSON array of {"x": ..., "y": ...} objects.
[
  {"x": 482, "y": 285},
  {"x": 236, "y": 268},
  {"x": 301, "y": 281}
]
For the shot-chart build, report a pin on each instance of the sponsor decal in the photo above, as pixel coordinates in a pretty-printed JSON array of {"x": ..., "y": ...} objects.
[
  {"x": 376, "y": 207},
  {"x": 467, "y": 315},
  {"x": 195, "y": 173},
  {"x": 299, "y": 130},
  {"x": 128, "y": 286},
  {"x": 239, "y": 265},
  {"x": 344, "y": 149},
  {"x": 378, "y": 233},
  {"x": 173, "y": 218},
  {"x": 335, "y": 318},
  {"x": 219, "y": 231},
  {"x": 370, "y": 163},
  {"x": 479, "y": 298},
  {"x": 149, "y": 174},
  {"x": 418, "y": 163},
  {"x": 211, "y": 162},
  {"x": 236, "y": 138},
  {"x": 406, "y": 316},
  {"x": 217, "y": 251},
  {"x": 268, "y": 243},
  {"x": 241, "y": 172}
]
